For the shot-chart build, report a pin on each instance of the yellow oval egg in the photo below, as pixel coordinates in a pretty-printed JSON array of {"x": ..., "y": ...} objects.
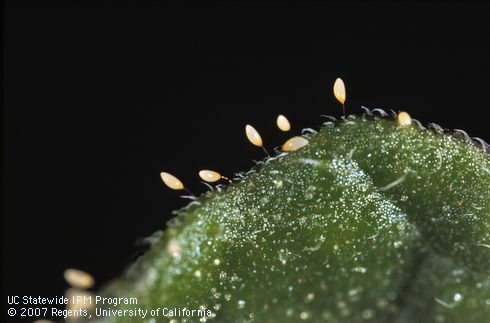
[
  {"x": 404, "y": 119},
  {"x": 283, "y": 123},
  {"x": 171, "y": 181},
  {"x": 294, "y": 143},
  {"x": 79, "y": 279},
  {"x": 253, "y": 135},
  {"x": 339, "y": 90},
  {"x": 209, "y": 176}
]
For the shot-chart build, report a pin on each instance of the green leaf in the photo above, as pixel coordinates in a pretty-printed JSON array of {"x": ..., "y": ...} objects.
[{"x": 371, "y": 221}]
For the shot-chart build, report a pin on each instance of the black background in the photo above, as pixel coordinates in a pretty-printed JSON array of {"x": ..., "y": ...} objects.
[{"x": 102, "y": 96}]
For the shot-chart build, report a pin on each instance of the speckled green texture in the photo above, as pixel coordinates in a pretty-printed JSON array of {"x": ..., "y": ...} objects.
[{"x": 371, "y": 222}]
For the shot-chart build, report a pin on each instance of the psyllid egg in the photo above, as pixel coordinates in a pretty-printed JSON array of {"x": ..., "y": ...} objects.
[
  {"x": 78, "y": 278},
  {"x": 294, "y": 143},
  {"x": 283, "y": 123},
  {"x": 210, "y": 176},
  {"x": 339, "y": 90},
  {"x": 253, "y": 136},
  {"x": 404, "y": 119},
  {"x": 171, "y": 181}
]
